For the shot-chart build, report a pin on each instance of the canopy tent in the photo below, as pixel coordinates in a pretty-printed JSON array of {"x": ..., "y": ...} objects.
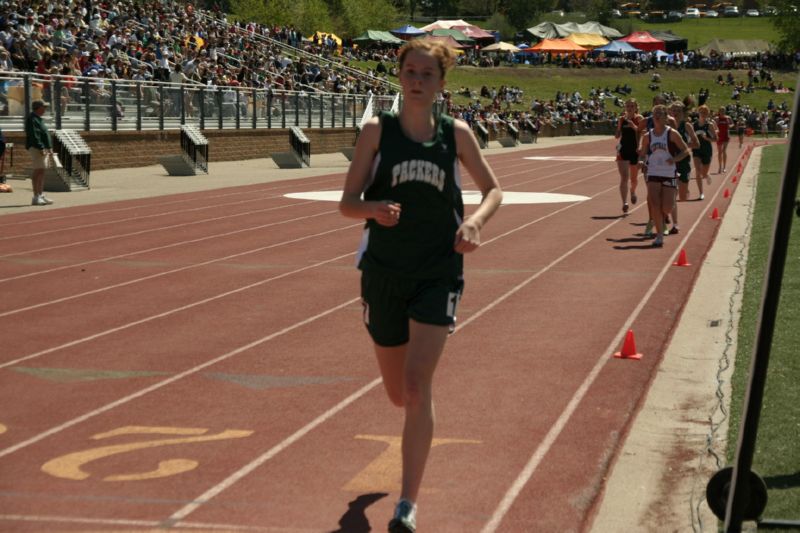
[
  {"x": 672, "y": 42},
  {"x": 588, "y": 40},
  {"x": 407, "y": 31},
  {"x": 455, "y": 34},
  {"x": 445, "y": 24},
  {"x": 500, "y": 47},
  {"x": 447, "y": 41},
  {"x": 644, "y": 41},
  {"x": 476, "y": 33},
  {"x": 377, "y": 37},
  {"x": 557, "y": 46},
  {"x": 551, "y": 30},
  {"x": 735, "y": 47},
  {"x": 617, "y": 47}
]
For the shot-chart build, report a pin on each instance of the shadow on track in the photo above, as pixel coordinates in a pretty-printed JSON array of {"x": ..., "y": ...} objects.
[{"x": 355, "y": 519}]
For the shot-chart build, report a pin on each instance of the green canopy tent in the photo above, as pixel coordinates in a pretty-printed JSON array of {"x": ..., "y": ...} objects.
[{"x": 382, "y": 38}]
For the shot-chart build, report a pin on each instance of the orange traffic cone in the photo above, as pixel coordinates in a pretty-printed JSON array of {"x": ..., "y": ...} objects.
[
  {"x": 726, "y": 194},
  {"x": 715, "y": 214},
  {"x": 682, "y": 260},
  {"x": 628, "y": 348}
]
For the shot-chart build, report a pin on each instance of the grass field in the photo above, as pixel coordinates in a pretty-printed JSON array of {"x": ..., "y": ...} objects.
[
  {"x": 543, "y": 82},
  {"x": 777, "y": 457},
  {"x": 700, "y": 31}
]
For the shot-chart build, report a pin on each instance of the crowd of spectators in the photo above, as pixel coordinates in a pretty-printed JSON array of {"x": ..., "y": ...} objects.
[
  {"x": 167, "y": 42},
  {"x": 172, "y": 42}
]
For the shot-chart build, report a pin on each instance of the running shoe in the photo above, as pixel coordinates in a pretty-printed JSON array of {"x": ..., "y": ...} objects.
[
  {"x": 634, "y": 198},
  {"x": 674, "y": 230},
  {"x": 625, "y": 208},
  {"x": 666, "y": 230},
  {"x": 702, "y": 196},
  {"x": 47, "y": 200},
  {"x": 405, "y": 518},
  {"x": 38, "y": 200},
  {"x": 648, "y": 230},
  {"x": 658, "y": 242}
]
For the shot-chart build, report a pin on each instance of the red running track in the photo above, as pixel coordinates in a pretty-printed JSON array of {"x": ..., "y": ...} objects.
[{"x": 198, "y": 360}]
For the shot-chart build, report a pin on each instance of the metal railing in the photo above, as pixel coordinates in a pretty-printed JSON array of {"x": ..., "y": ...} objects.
[{"x": 102, "y": 104}]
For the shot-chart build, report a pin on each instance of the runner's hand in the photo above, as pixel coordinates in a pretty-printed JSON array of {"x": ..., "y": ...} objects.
[
  {"x": 386, "y": 213},
  {"x": 468, "y": 237}
]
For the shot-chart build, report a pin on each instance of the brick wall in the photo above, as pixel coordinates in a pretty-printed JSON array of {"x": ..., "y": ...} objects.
[{"x": 126, "y": 149}]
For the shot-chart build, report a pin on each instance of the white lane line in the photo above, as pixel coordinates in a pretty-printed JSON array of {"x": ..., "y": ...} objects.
[
  {"x": 165, "y": 246},
  {"x": 544, "y": 447},
  {"x": 181, "y": 269},
  {"x": 176, "y": 377},
  {"x": 272, "y": 452},
  {"x": 141, "y": 523},
  {"x": 167, "y": 313},
  {"x": 153, "y": 203}
]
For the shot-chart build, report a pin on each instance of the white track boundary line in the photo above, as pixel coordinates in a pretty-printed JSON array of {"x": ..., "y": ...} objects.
[
  {"x": 544, "y": 447},
  {"x": 130, "y": 522},
  {"x": 166, "y": 313},
  {"x": 152, "y": 203},
  {"x": 172, "y": 379},
  {"x": 180, "y": 269},
  {"x": 173, "y": 244},
  {"x": 272, "y": 452},
  {"x": 151, "y": 230}
]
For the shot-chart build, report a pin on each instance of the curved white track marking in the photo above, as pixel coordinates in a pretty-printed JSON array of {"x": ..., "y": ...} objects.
[{"x": 470, "y": 197}]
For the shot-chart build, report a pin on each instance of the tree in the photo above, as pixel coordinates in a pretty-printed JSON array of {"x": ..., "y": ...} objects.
[
  {"x": 787, "y": 21},
  {"x": 361, "y": 15},
  {"x": 250, "y": 10},
  {"x": 312, "y": 15}
]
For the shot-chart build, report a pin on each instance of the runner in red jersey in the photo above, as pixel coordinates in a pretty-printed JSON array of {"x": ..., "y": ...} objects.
[{"x": 724, "y": 122}]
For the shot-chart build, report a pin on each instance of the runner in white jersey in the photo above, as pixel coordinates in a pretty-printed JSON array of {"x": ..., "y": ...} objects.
[{"x": 663, "y": 147}]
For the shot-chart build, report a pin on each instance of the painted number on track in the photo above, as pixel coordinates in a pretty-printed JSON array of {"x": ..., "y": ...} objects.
[
  {"x": 70, "y": 466},
  {"x": 384, "y": 473}
]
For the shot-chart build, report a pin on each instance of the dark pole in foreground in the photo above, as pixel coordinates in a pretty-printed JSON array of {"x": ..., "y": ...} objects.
[{"x": 739, "y": 494}]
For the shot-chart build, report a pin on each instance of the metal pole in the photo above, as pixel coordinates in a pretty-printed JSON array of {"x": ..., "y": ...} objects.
[
  {"x": 182, "y": 103},
  {"x": 236, "y": 111},
  {"x": 738, "y": 496},
  {"x": 87, "y": 100},
  {"x": 57, "y": 101},
  {"x": 219, "y": 107},
  {"x": 139, "y": 87},
  {"x": 309, "y": 108},
  {"x": 161, "y": 107},
  {"x": 253, "y": 96},
  {"x": 202, "y": 96},
  {"x": 113, "y": 105}
]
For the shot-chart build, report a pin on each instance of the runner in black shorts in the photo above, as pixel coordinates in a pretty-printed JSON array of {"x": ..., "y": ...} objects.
[
  {"x": 706, "y": 133},
  {"x": 411, "y": 252},
  {"x": 627, "y": 136}
]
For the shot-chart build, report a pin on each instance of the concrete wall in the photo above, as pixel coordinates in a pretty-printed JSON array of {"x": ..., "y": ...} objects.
[{"x": 126, "y": 149}]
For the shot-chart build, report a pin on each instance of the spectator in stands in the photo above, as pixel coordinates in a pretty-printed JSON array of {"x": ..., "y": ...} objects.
[{"x": 39, "y": 146}]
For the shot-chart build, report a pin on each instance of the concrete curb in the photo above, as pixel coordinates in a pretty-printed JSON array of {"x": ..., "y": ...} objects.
[{"x": 658, "y": 480}]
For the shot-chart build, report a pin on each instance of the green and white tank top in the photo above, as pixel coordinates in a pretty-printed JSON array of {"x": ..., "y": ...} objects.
[{"x": 424, "y": 179}]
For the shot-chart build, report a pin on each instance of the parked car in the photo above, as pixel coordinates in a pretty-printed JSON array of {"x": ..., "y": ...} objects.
[
  {"x": 692, "y": 13},
  {"x": 711, "y": 14},
  {"x": 752, "y": 13},
  {"x": 616, "y": 13},
  {"x": 731, "y": 11},
  {"x": 770, "y": 11},
  {"x": 674, "y": 16}
]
